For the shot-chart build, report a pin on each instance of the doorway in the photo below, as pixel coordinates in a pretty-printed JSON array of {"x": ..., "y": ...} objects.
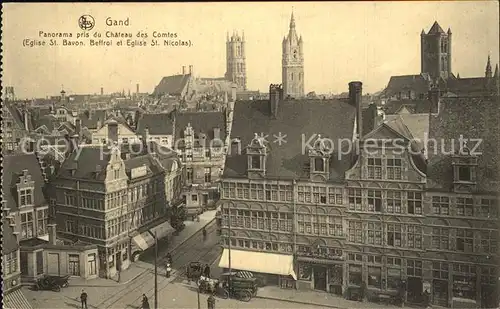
[
  {"x": 440, "y": 292},
  {"x": 205, "y": 200},
  {"x": 319, "y": 278},
  {"x": 415, "y": 289}
]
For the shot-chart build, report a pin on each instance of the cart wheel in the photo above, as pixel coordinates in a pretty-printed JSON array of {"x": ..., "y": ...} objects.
[
  {"x": 245, "y": 296},
  {"x": 56, "y": 288},
  {"x": 225, "y": 294},
  {"x": 254, "y": 292}
]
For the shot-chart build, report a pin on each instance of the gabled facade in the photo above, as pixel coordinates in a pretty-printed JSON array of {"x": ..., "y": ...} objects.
[
  {"x": 113, "y": 131},
  {"x": 15, "y": 127}
]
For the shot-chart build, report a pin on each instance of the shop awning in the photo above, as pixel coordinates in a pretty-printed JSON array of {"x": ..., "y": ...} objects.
[
  {"x": 146, "y": 239},
  {"x": 261, "y": 262}
]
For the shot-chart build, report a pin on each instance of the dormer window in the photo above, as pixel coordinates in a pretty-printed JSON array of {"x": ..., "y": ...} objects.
[
  {"x": 319, "y": 164},
  {"x": 25, "y": 197},
  {"x": 464, "y": 173},
  {"x": 255, "y": 162}
]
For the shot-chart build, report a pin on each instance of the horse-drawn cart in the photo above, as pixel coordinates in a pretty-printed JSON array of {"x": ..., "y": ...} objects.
[
  {"x": 241, "y": 285},
  {"x": 194, "y": 271}
]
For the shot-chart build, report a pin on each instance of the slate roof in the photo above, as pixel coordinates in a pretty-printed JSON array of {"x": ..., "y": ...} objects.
[
  {"x": 472, "y": 118},
  {"x": 405, "y": 83},
  {"x": 414, "y": 106},
  {"x": 332, "y": 119},
  {"x": 157, "y": 124},
  {"x": 16, "y": 115},
  {"x": 202, "y": 122},
  {"x": 436, "y": 29},
  {"x": 417, "y": 124},
  {"x": 13, "y": 166},
  {"x": 173, "y": 85},
  {"x": 471, "y": 85},
  {"x": 9, "y": 240},
  {"x": 89, "y": 119}
]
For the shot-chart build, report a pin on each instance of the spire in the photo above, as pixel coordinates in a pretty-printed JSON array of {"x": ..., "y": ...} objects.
[
  {"x": 449, "y": 31},
  {"x": 436, "y": 29},
  {"x": 496, "y": 71},
  {"x": 488, "y": 67},
  {"x": 243, "y": 35},
  {"x": 422, "y": 33},
  {"x": 458, "y": 75},
  {"x": 227, "y": 36},
  {"x": 292, "y": 21}
]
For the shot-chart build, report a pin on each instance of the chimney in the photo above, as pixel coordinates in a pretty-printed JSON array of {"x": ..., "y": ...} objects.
[
  {"x": 274, "y": 99},
  {"x": 26, "y": 120},
  {"x": 98, "y": 123},
  {"x": 51, "y": 227},
  {"x": 191, "y": 69},
  {"x": 102, "y": 91},
  {"x": 434, "y": 95},
  {"x": 183, "y": 70},
  {"x": 355, "y": 95},
  {"x": 78, "y": 125},
  {"x": 233, "y": 92},
  {"x": 137, "y": 88},
  {"x": 145, "y": 137}
]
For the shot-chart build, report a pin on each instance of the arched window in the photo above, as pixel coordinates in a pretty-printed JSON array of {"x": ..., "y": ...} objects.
[{"x": 291, "y": 76}]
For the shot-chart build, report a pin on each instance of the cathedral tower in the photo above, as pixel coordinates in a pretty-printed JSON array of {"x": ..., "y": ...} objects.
[
  {"x": 236, "y": 70},
  {"x": 293, "y": 63},
  {"x": 436, "y": 52}
]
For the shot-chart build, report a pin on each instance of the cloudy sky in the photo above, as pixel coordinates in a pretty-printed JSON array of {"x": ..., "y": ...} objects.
[{"x": 367, "y": 41}]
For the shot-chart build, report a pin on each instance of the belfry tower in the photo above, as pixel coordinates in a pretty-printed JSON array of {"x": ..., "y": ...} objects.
[
  {"x": 293, "y": 63},
  {"x": 236, "y": 70},
  {"x": 436, "y": 52}
]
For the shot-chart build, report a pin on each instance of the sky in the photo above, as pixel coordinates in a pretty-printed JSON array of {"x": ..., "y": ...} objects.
[{"x": 343, "y": 41}]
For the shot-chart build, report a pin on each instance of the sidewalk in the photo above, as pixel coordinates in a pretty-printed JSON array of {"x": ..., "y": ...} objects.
[
  {"x": 138, "y": 268},
  {"x": 316, "y": 298}
]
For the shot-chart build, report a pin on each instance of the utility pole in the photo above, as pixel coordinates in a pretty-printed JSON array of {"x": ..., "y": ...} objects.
[
  {"x": 156, "y": 273},
  {"x": 198, "y": 291}
]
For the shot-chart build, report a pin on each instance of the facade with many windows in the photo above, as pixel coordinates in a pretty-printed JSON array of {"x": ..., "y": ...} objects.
[
  {"x": 112, "y": 196},
  {"x": 392, "y": 221}
]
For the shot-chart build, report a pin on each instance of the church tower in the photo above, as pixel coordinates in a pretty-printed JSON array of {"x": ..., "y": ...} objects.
[
  {"x": 293, "y": 63},
  {"x": 236, "y": 70},
  {"x": 436, "y": 52}
]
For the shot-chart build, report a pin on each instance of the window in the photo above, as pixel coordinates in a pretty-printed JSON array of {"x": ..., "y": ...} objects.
[
  {"x": 465, "y": 207},
  {"x": 208, "y": 174},
  {"x": 465, "y": 240},
  {"x": 42, "y": 219},
  {"x": 10, "y": 263},
  {"x": 414, "y": 237},
  {"x": 335, "y": 196},
  {"x": 440, "y": 270},
  {"x": 25, "y": 197},
  {"x": 374, "y": 168},
  {"x": 355, "y": 232},
  {"x": 393, "y": 275},
  {"x": 464, "y": 281},
  {"x": 394, "y": 235},
  {"x": 125, "y": 140},
  {"x": 489, "y": 241},
  {"x": 335, "y": 226},
  {"x": 92, "y": 266},
  {"x": 355, "y": 199},
  {"x": 374, "y": 200},
  {"x": 441, "y": 205},
  {"x": 488, "y": 208},
  {"x": 394, "y": 169},
  {"x": 414, "y": 203},
  {"x": 375, "y": 233},
  {"x": 413, "y": 268},
  {"x": 116, "y": 174},
  {"x": 464, "y": 173},
  {"x": 440, "y": 238},
  {"x": 319, "y": 165},
  {"x": 394, "y": 201},
  {"x": 488, "y": 275},
  {"x": 27, "y": 225},
  {"x": 255, "y": 162},
  {"x": 305, "y": 272},
  {"x": 194, "y": 197},
  {"x": 74, "y": 264}
]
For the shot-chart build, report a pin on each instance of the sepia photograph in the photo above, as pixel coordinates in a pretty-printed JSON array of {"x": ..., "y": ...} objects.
[{"x": 341, "y": 154}]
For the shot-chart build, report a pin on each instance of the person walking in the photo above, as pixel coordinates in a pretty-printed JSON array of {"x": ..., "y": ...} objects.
[
  {"x": 83, "y": 299},
  {"x": 211, "y": 302},
  {"x": 204, "y": 232},
  {"x": 206, "y": 271},
  {"x": 145, "y": 302}
]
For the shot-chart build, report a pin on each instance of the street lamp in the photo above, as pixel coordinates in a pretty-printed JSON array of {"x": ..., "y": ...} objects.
[{"x": 156, "y": 268}]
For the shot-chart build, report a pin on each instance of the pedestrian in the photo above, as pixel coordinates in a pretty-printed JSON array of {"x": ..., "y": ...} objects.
[
  {"x": 204, "y": 232},
  {"x": 145, "y": 302},
  {"x": 169, "y": 258},
  {"x": 211, "y": 302},
  {"x": 206, "y": 271},
  {"x": 83, "y": 299}
]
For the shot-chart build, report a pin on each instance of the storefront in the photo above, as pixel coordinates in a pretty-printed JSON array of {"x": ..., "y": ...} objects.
[
  {"x": 142, "y": 241},
  {"x": 320, "y": 274},
  {"x": 270, "y": 268}
]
